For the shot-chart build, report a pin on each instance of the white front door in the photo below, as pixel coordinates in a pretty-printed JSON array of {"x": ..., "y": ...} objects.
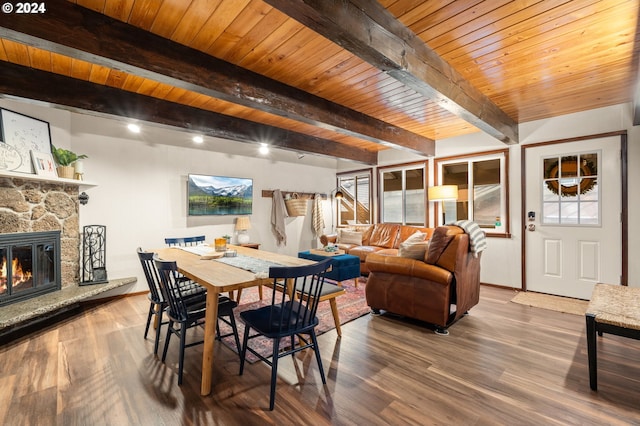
[{"x": 572, "y": 218}]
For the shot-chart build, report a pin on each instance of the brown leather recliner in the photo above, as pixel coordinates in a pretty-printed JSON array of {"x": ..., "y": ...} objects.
[{"x": 438, "y": 290}]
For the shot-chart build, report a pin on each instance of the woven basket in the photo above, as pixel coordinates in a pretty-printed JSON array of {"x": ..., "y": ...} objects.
[
  {"x": 66, "y": 172},
  {"x": 296, "y": 206}
]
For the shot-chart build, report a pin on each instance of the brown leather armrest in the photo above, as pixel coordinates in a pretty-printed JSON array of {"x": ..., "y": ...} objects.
[
  {"x": 409, "y": 267},
  {"x": 328, "y": 238}
]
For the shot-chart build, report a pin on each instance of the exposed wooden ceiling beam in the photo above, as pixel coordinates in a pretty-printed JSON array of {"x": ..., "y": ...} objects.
[
  {"x": 83, "y": 96},
  {"x": 368, "y": 30},
  {"x": 84, "y": 34}
]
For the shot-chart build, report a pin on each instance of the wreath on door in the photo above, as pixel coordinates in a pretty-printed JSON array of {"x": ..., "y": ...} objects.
[{"x": 569, "y": 166}]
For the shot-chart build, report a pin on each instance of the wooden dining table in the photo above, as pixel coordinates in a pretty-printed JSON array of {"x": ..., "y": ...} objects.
[{"x": 218, "y": 277}]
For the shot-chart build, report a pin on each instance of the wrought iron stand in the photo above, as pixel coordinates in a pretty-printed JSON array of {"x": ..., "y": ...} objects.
[{"x": 94, "y": 270}]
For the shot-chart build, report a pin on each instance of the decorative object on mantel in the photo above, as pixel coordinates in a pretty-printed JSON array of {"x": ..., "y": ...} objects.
[
  {"x": 22, "y": 134},
  {"x": 79, "y": 170},
  {"x": 65, "y": 160},
  {"x": 9, "y": 157},
  {"x": 94, "y": 239},
  {"x": 243, "y": 224},
  {"x": 43, "y": 164},
  {"x": 296, "y": 206}
]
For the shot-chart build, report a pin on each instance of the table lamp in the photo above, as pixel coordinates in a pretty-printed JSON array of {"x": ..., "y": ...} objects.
[
  {"x": 242, "y": 225},
  {"x": 443, "y": 193}
]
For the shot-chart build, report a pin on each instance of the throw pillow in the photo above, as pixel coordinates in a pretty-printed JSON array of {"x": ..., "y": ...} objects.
[
  {"x": 413, "y": 250},
  {"x": 416, "y": 237},
  {"x": 438, "y": 243},
  {"x": 350, "y": 237}
]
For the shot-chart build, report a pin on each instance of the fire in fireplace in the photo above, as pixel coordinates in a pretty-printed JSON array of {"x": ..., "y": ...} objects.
[{"x": 29, "y": 265}]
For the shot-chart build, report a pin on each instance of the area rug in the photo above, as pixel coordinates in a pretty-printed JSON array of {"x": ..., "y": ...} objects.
[
  {"x": 351, "y": 305},
  {"x": 553, "y": 303}
]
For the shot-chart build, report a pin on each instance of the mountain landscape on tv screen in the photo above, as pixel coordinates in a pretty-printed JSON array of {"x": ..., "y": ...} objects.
[
  {"x": 217, "y": 195},
  {"x": 242, "y": 191}
]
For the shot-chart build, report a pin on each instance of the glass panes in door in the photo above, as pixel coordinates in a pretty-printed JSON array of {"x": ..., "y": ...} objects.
[{"x": 570, "y": 190}]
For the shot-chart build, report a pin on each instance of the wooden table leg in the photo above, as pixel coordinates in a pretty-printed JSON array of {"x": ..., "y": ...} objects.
[
  {"x": 210, "y": 320},
  {"x": 336, "y": 315}
]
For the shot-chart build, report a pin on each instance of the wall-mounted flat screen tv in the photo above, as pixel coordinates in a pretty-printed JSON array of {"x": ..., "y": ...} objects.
[{"x": 219, "y": 195}]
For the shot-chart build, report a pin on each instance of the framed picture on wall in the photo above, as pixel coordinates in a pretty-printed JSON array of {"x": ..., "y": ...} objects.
[
  {"x": 24, "y": 134},
  {"x": 43, "y": 164}
]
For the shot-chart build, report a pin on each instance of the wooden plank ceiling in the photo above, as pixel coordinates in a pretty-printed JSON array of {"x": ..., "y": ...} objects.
[{"x": 342, "y": 78}]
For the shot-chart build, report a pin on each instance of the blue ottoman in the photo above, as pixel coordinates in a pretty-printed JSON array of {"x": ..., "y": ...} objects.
[{"x": 344, "y": 266}]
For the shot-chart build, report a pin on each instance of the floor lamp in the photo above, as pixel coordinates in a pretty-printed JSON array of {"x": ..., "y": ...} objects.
[{"x": 443, "y": 193}]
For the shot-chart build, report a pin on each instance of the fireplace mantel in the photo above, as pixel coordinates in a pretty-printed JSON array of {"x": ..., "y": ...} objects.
[{"x": 39, "y": 178}]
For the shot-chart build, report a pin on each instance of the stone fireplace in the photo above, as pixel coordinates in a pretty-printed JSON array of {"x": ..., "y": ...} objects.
[
  {"x": 28, "y": 206},
  {"x": 35, "y": 204}
]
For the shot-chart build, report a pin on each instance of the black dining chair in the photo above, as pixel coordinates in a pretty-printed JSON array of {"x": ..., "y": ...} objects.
[
  {"x": 185, "y": 312},
  {"x": 292, "y": 312},
  {"x": 185, "y": 241},
  {"x": 157, "y": 303}
]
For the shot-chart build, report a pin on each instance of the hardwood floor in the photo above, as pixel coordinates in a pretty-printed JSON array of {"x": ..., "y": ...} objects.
[{"x": 503, "y": 364}]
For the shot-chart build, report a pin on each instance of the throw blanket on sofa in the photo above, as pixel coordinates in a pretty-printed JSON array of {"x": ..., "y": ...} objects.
[{"x": 477, "y": 239}]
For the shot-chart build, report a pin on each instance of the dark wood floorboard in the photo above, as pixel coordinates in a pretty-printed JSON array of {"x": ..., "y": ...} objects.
[{"x": 503, "y": 364}]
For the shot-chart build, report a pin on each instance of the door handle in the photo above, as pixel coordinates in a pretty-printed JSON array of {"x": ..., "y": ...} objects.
[{"x": 531, "y": 227}]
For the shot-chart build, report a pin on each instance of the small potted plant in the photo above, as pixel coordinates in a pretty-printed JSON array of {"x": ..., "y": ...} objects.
[
  {"x": 228, "y": 238},
  {"x": 65, "y": 160}
]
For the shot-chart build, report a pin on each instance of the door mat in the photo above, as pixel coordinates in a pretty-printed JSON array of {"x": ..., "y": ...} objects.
[{"x": 554, "y": 303}]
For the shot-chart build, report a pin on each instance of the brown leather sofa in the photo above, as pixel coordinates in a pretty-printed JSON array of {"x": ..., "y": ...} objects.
[
  {"x": 438, "y": 290},
  {"x": 382, "y": 238}
]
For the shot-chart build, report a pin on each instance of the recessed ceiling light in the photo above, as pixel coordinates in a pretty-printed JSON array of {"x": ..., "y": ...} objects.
[
  {"x": 198, "y": 139},
  {"x": 264, "y": 149},
  {"x": 134, "y": 128}
]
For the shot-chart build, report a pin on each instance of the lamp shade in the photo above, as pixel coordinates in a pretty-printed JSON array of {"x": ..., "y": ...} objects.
[
  {"x": 443, "y": 192},
  {"x": 339, "y": 194},
  {"x": 243, "y": 223}
]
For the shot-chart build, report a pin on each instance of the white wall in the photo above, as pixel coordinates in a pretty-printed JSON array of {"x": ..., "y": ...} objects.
[
  {"x": 501, "y": 262},
  {"x": 141, "y": 185}
]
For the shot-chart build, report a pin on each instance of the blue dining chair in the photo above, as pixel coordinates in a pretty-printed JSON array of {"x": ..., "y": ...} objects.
[
  {"x": 292, "y": 312},
  {"x": 185, "y": 312},
  {"x": 185, "y": 241},
  {"x": 157, "y": 303}
]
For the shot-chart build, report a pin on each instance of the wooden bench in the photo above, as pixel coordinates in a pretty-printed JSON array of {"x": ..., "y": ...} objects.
[{"x": 613, "y": 309}]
